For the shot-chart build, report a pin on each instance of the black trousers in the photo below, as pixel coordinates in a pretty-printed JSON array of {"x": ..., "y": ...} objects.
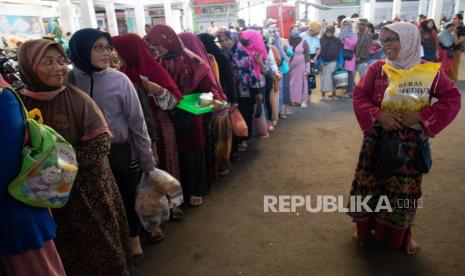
[
  {"x": 194, "y": 179},
  {"x": 127, "y": 184},
  {"x": 268, "y": 90}
]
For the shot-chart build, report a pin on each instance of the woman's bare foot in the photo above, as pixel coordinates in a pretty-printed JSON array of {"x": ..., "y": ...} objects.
[
  {"x": 135, "y": 246},
  {"x": 156, "y": 235},
  {"x": 358, "y": 241},
  {"x": 412, "y": 247},
  {"x": 196, "y": 201}
]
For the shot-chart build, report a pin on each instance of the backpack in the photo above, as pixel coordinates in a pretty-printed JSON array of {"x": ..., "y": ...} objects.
[{"x": 49, "y": 166}]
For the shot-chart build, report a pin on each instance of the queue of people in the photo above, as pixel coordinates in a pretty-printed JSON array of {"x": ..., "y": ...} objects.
[{"x": 118, "y": 108}]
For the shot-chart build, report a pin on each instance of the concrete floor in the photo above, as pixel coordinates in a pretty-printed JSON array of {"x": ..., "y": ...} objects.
[{"x": 313, "y": 152}]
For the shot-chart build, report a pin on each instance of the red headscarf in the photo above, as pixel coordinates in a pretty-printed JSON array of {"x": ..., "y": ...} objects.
[
  {"x": 186, "y": 68},
  {"x": 194, "y": 44},
  {"x": 140, "y": 62}
]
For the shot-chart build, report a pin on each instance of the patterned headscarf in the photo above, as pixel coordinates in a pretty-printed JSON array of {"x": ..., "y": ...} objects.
[{"x": 409, "y": 37}]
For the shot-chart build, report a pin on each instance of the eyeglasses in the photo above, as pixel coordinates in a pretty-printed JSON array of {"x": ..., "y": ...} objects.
[
  {"x": 102, "y": 48},
  {"x": 388, "y": 40},
  {"x": 50, "y": 62}
]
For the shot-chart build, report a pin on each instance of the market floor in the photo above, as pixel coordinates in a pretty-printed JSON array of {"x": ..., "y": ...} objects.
[{"x": 313, "y": 152}]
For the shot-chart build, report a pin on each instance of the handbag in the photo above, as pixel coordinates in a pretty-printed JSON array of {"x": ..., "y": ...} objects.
[
  {"x": 340, "y": 77},
  {"x": 423, "y": 159},
  {"x": 389, "y": 154},
  {"x": 238, "y": 124},
  {"x": 49, "y": 166},
  {"x": 347, "y": 54},
  {"x": 120, "y": 157}
]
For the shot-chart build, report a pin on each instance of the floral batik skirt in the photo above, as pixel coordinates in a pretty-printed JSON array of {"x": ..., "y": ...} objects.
[{"x": 402, "y": 190}]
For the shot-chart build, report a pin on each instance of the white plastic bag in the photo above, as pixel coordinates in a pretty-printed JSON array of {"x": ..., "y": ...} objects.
[{"x": 152, "y": 206}]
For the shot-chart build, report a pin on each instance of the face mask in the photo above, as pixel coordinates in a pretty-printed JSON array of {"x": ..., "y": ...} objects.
[
  {"x": 244, "y": 42},
  {"x": 294, "y": 33}
]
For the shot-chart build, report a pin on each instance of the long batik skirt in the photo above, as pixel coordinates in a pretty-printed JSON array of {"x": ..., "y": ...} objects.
[{"x": 402, "y": 189}]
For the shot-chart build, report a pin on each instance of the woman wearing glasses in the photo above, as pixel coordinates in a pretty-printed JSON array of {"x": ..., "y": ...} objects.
[
  {"x": 402, "y": 184},
  {"x": 114, "y": 93}
]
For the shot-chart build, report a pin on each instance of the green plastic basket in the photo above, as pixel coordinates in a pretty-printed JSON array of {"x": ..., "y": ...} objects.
[{"x": 190, "y": 103}]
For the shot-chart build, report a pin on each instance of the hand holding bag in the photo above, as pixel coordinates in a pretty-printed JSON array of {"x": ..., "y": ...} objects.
[{"x": 238, "y": 124}]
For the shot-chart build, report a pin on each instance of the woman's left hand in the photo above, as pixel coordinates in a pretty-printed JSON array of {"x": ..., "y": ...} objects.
[
  {"x": 409, "y": 118},
  {"x": 278, "y": 75},
  {"x": 152, "y": 88},
  {"x": 218, "y": 105}
]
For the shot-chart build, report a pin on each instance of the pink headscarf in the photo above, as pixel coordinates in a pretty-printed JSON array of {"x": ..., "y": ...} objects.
[
  {"x": 410, "y": 42},
  {"x": 255, "y": 46}
]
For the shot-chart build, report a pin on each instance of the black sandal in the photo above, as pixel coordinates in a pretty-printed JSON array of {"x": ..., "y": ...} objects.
[{"x": 176, "y": 214}]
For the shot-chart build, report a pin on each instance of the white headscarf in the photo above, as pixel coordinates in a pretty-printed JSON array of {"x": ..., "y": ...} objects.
[{"x": 410, "y": 42}]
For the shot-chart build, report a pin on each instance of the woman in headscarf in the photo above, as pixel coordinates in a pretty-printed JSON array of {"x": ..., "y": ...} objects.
[
  {"x": 349, "y": 41},
  {"x": 285, "y": 90},
  {"x": 252, "y": 41},
  {"x": 211, "y": 121},
  {"x": 330, "y": 49},
  {"x": 191, "y": 74},
  {"x": 401, "y": 43},
  {"x": 158, "y": 95},
  {"x": 272, "y": 78},
  {"x": 114, "y": 93},
  {"x": 226, "y": 79},
  {"x": 429, "y": 40},
  {"x": 246, "y": 84},
  {"x": 92, "y": 233},
  {"x": 299, "y": 68}
]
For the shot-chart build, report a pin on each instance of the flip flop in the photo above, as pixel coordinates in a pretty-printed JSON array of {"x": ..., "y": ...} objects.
[{"x": 176, "y": 214}]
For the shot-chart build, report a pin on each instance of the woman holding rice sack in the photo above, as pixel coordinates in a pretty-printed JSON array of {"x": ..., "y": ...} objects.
[{"x": 392, "y": 105}]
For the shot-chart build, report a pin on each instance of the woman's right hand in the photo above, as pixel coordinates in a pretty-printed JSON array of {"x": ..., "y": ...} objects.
[{"x": 389, "y": 121}]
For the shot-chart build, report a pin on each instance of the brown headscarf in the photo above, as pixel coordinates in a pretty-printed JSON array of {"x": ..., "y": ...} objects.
[
  {"x": 29, "y": 56},
  {"x": 71, "y": 112}
]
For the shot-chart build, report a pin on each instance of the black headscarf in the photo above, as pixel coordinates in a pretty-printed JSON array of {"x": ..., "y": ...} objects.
[
  {"x": 224, "y": 65},
  {"x": 80, "y": 47}
]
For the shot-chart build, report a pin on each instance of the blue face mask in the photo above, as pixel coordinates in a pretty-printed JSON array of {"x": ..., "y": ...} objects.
[{"x": 295, "y": 33}]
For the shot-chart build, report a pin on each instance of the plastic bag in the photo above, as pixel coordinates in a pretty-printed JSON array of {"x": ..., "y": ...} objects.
[
  {"x": 48, "y": 168},
  {"x": 238, "y": 123},
  {"x": 409, "y": 90},
  {"x": 152, "y": 206}
]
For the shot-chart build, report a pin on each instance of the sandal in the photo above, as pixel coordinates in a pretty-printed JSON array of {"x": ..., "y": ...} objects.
[
  {"x": 157, "y": 237},
  {"x": 196, "y": 201},
  {"x": 176, "y": 214}
]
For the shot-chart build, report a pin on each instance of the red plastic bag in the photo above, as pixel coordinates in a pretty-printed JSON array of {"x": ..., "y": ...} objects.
[{"x": 238, "y": 123}]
